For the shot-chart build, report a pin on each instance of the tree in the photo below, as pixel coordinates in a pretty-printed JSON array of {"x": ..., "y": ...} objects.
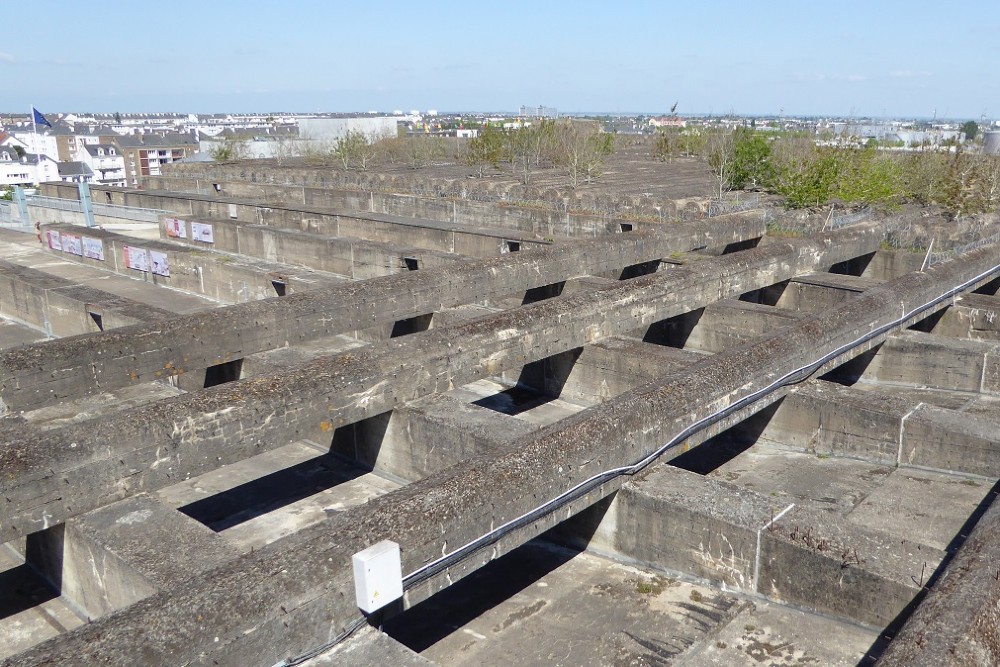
[
  {"x": 719, "y": 148},
  {"x": 667, "y": 145},
  {"x": 752, "y": 164},
  {"x": 230, "y": 148},
  {"x": 581, "y": 148},
  {"x": 971, "y": 130},
  {"x": 355, "y": 149},
  {"x": 485, "y": 150}
]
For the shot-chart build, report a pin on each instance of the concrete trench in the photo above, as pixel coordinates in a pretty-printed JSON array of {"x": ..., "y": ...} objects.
[{"x": 769, "y": 538}]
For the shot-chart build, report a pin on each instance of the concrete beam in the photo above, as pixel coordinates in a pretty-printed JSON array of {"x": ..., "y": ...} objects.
[
  {"x": 296, "y": 594},
  {"x": 749, "y": 541},
  {"x": 353, "y": 258},
  {"x": 958, "y": 623},
  {"x": 135, "y": 354},
  {"x": 225, "y": 278},
  {"x": 830, "y": 419},
  {"x": 153, "y": 446},
  {"x": 62, "y": 308}
]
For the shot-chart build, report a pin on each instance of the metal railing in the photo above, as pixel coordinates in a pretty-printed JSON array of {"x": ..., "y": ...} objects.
[
  {"x": 133, "y": 213},
  {"x": 845, "y": 219},
  {"x": 733, "y": 205},
  {"x": 938, "y": 257}
]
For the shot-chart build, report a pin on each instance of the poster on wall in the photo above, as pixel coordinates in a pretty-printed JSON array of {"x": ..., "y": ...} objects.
[
  {"x": 54, "y": 242},
  {"x": 136, "y": 258},
  {"x": 202, "y": 232},
  {"x": 176, "y": 228},
  {"x": 71, "y": 243},
  {"x": 93, "y": 248},
  {"x": 159, "y": 263}
]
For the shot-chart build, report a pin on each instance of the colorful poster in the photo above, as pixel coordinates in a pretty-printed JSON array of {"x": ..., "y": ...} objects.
[
  {"x": 93, "y": 248},
  {"x": 176, "y": 228},
  {"x": 54, "y": 241},
  {"x": 136, "y": 258},
  {"x": 71, "y": 243},
  {"x": 202, "y": 232},
  {"x": 159, "y": 262}
]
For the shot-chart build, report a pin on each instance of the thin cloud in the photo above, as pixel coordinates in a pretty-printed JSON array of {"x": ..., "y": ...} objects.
[
  {"x": 909, "y": 74},
  {"x": 7, "y": 57}
]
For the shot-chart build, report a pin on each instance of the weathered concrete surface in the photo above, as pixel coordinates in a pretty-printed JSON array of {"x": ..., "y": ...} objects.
[
  {"x": 441, "y": 236},
  {"x": 136, "y": 354},
  {"x": 155, "y": 446},
  {"x": 778, "y": 636},
  {"x": 545, "y": 605},
  {"x": 760, "y": 541},
  {"x": 958, "y": 623},
  {"x": 830, "y": 419},
  {"x": 352, "y": 258},
  {"x": 368, "y": 646},
  {"x": 56, "y": 305},
  {"x": 30, "y": 611},
  {"x": 224, "y": 278},
  {"x": 275, "y": 588}
]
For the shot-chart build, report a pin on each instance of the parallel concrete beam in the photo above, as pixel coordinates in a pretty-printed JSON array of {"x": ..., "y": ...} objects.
[
  {"x": 90, "y": 364},
  {"x": 295, "y": 595},
  {"x": 153, "y": 446},
  {"x": 958, "y": 623}
]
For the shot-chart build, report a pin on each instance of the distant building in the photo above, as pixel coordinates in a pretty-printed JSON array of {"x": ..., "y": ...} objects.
[
  {"x": 538, "y": 112},
  {"x": 667, "y": 121},
  {"x": 106, "y": 162},
  {"x": 145, "y": 154},
  {"x": 75, "y": 172},
  {"x": 331, "y": 129},
  {"x": 26, "y": 169}
]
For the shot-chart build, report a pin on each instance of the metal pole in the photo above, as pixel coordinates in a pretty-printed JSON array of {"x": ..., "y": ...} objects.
[{"x": 86, "y": 205}]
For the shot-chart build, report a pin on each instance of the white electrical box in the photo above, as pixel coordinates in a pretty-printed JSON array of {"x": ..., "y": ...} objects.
[{"x": 378, "y": 576}]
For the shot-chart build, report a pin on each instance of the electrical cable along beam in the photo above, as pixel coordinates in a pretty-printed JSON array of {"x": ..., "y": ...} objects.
[
  {"x": 157, "y": 445},
  {"x": 294, "y": 595}
]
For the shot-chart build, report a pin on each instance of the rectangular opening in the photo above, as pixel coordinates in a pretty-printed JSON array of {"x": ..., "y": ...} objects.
[
  {"x": 411, "y": 263},
  {"x": 280, "y": 287},
  {"x": 512, "y": 246},
  {"x": 624, "y": 226},
  {"x": 411, "y": 325},
  {"x": 98, "y": 319},
  {"x": 227, "y": 371}
]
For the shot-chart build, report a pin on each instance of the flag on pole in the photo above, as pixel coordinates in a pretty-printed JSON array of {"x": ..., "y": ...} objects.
[{"x": 38, "y": 118}]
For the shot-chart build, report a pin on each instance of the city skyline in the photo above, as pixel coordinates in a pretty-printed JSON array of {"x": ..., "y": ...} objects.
[{"x": 893, "y": 60}]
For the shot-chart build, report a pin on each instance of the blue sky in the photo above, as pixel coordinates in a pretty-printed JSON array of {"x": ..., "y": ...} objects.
[{"x": 847, "y": 58}]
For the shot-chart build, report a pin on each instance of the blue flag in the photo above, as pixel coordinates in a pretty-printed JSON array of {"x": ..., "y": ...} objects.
[{"x": 39, "y": 119}]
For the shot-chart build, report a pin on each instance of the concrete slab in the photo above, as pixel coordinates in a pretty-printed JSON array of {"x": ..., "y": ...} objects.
[
  {"x": 778, "y": 636},
  {"x": 278, "y": 523},
  {"x": 27, "y": 252},
  {"x": 14, "y": 333},
  {"x": 825, "y": 483},
  {"x": 544, "y": 605},
  {"x": 30, "y": 612},
  {"x": 505, "y": 398},
  {"x": 368, "y": 646},
  {"x": 926, "y": 507},
  {"x": 260, "y": 500}
]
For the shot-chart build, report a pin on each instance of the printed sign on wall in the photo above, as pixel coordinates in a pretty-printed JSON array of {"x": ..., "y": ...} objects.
[
  {"x": 159, "y": 262},
  {"x": 136, "y": 258},
  {"x": 71, "y": 243},
  {"x": 176, "y": 228},
  {"x": 202, "y": 232},
  {"x": 54, "y": 241},
  {"x": 93, "y": 248}
]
